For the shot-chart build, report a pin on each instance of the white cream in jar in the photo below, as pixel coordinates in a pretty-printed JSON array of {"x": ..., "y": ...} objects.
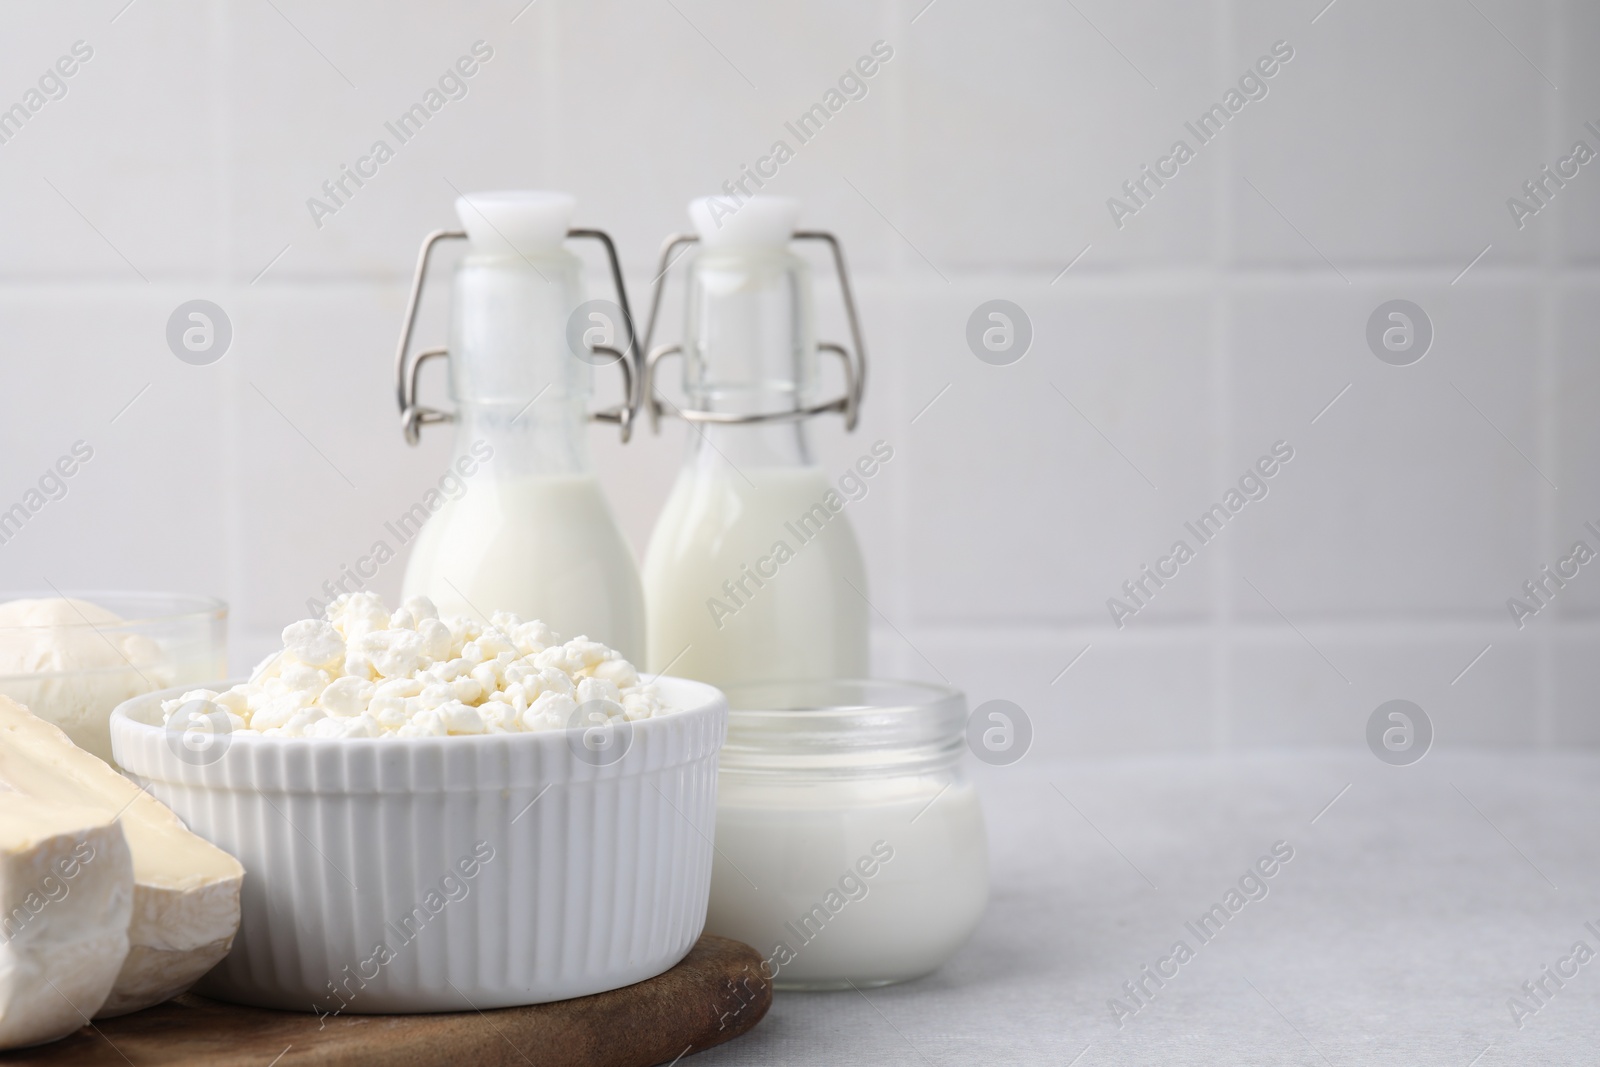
[{"x": 850, "y": 844}]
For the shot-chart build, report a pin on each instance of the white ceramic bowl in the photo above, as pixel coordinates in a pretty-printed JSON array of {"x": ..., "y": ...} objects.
[{"x": 448, "y": 873}]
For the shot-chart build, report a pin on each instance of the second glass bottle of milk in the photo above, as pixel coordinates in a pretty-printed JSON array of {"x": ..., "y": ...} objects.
[{"x": 750, "y": 574}]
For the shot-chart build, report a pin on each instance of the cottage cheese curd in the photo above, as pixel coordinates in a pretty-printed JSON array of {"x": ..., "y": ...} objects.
[{"x": 362, "y": 671}]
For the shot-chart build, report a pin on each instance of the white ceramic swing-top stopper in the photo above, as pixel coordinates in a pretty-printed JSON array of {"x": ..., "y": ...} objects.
[
  {"x": 516, "y": 222},
  {"x": 760, "y": 222}
]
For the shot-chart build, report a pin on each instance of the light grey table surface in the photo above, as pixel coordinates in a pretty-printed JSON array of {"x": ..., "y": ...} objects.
[{"x": 1415, "y": 906}]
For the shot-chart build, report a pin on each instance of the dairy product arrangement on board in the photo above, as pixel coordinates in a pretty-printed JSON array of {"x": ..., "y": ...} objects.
[
  {"x": 474, "y": 799},
  {"x": 360, "y": 671}
]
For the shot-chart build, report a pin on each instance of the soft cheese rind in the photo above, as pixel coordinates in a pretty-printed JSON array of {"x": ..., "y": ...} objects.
[
  {"x": 186, "y": 890},
  {"x": 66, "y": 897}
]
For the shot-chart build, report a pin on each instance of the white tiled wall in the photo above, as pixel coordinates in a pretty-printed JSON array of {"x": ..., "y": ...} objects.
[{"x": 1222, "y": 317}]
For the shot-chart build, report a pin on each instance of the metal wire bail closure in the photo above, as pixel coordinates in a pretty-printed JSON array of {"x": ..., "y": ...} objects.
[
  {"x": 855, "y": 364},
  {"x": 413, "y": 415}
]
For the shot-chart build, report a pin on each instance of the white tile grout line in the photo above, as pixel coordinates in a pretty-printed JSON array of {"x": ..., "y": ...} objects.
[
  {"x": 1224, "y": 250},
  {"x": 893, "y": 15},
  {"x": 1547, "y": 401},
  {"x": 1291, "y": 224},
  {"x": 1138, "y": 279},
  {"x": 1548, "y": 385},
  {"x": 1546, "y": 375},
  {"x": 1548, "y": 378},
  {"x": 230, "y": 379},
  {"x": 1290, "y": 623},
  {"x": 555, "y": 64}
]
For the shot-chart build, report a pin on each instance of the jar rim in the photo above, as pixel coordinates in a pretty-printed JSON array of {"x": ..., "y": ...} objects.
[
  {"x": 843, "y": 725},
  {"x": 138, "y": 609},
  {"x": 785, "y": 696}
]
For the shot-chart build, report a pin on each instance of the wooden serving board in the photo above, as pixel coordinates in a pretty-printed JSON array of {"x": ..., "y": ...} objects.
[{"x": 714, "y": 995}]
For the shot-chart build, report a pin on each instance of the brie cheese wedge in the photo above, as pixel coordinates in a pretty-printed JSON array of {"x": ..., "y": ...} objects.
[
  {"x": 66, "y": 895},
  {"x": 186, "y": 890}
]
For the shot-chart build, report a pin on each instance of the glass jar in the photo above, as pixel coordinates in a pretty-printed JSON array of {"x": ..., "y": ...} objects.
[
  {"x": 72, "y": 660},
  {"x": 850, "y": 842}
]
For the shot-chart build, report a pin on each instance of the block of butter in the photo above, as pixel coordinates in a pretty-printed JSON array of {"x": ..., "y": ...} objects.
[
  {"x": 185, "y": 891},
  {"x": 66, "y": 895}
]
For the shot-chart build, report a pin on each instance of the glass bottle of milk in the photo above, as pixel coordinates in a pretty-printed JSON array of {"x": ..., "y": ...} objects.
[
  {"x": 531, "y": 531},
  {"x": 752, "y": 572}
]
